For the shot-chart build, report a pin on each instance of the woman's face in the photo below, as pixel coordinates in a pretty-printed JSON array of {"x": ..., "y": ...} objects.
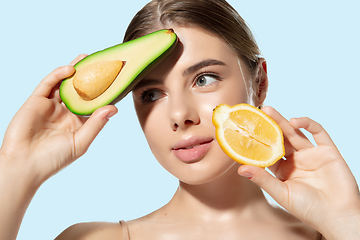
[{"x": 175, "y": 102}]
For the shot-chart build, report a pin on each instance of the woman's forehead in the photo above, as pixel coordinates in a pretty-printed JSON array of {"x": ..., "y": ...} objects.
[
  {"x": 199, "y": 43},
  {"x": 197, "y": 47},
  {"x": 195, "y": 50}
]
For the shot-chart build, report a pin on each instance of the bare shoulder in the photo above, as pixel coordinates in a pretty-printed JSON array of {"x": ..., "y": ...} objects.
[
  {"x": 92, "y": 231},
  {"x": 294, "y": 226}
]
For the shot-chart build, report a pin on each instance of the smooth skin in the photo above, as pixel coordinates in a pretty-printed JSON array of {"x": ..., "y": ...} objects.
[
  {"x": 314, "y": 183},
  {"x": 42, "y": 138},
  {"x": 217, "y": 198}
]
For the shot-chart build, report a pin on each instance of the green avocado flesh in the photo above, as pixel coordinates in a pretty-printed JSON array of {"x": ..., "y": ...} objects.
[{"x": 139, "y": 56}]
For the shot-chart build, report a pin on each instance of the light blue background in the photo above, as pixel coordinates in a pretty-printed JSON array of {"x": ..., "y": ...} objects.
[{"x": 312, "y": 50}]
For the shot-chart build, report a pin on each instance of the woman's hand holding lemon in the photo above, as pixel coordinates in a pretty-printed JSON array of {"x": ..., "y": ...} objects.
[{"x": 313, "y": 182}]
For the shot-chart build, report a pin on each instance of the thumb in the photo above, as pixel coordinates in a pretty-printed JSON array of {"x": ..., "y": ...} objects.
[
  {"x": 91, "y": 128},
  {"x": 273, "y": 186}
]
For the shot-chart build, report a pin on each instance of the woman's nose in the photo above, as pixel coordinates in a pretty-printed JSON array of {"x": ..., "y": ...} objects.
[{"x": 183, "y": 113}]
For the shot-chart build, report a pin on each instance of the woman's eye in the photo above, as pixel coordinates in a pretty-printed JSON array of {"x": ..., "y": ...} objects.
[
  {"x": 205, "y": 80},
  {"x": 151, "y": 95}
]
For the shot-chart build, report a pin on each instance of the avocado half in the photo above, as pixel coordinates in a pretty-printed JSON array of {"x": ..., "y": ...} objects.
[{"x": 137, "y": 56}]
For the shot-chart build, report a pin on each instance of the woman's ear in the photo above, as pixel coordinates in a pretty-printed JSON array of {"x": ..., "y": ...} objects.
[{"x": 261, "y": 83}]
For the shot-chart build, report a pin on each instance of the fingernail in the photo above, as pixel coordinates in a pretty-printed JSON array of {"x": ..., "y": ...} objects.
[
  {"x": 110, "y": 114},
  {"x": 247, "y": 175}
]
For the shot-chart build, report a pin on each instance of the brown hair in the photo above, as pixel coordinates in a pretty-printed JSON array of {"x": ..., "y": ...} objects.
[{"x": 215, "y": 16}]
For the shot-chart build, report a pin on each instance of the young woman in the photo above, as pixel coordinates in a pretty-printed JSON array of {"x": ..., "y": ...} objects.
[{"x": 216, "y": 61}]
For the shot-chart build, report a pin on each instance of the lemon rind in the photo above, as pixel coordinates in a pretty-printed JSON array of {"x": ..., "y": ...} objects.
[{"x": 221, "y": 114}]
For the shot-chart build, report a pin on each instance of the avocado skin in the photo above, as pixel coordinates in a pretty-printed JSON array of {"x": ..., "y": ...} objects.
[{"x": 158, "y": 45}]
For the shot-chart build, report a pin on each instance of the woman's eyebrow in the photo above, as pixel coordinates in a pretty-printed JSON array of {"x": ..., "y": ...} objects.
[
  {"x": 191, "y": 69},
  {"x": 204, "y": 63},
  {"x": 147, "y": 82}
]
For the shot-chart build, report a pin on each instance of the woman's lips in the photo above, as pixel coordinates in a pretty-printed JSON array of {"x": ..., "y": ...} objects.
[{"x": 192, "y": 149}]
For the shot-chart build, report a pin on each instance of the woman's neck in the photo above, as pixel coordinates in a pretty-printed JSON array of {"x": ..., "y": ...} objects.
[{"x": 229, "y": 195}]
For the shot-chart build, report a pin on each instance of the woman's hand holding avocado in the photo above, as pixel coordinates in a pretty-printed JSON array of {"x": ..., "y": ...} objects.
[
  {"x": 42, "y": 138},
  {"x": 44, "y": 135}
]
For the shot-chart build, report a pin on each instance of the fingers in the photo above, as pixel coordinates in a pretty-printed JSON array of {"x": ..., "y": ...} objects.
[
  {"x": 91, "y": 128},
  {"x": 273, "y": 186},
  {"x": 45, "y": 88},
  {"x": 295, "y": 137},
  {"x": 321, "y": 137},
  {"x": 274, "y": 168}
]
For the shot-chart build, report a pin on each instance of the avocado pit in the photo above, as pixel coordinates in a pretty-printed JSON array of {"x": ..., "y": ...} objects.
[{"x": 93, "y": 79}]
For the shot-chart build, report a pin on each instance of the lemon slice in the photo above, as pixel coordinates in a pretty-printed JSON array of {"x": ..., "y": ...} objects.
[{"x": 248, "y": 135}]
